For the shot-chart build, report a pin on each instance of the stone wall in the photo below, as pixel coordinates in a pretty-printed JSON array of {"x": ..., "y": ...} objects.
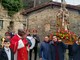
[
  {"x": 4, "y": 17},
  {"x": 74, "y": 20},
  {"x": 17, "y": 19},
  {"x": 44, "y": 20}
]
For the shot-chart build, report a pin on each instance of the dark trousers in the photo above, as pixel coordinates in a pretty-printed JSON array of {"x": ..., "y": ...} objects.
[
  {"x": 35, "y": 53},
  {"x": 70, "y": 57},
  {"x": 70, "y": 52}
]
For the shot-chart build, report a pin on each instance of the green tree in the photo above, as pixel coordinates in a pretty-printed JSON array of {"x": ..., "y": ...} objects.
[
  {"x": 12, "y": 6},
  {"x": 28, "y": 3},
  {"x": 32, "y": 3}
]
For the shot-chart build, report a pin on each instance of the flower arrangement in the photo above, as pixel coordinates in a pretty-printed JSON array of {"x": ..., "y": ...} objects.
[{"x": 67, "y": 36}]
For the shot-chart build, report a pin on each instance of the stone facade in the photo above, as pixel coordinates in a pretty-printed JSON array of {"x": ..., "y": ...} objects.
[
  {"x": 47, "y": 17},
  {"x": 17, "y": 19},
  {"x": 44, "y": 20}
]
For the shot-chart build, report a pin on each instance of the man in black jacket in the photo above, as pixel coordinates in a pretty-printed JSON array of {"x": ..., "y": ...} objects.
[
  {"x": 37, "y": 40},
  {"x": 70, "y": 52}
]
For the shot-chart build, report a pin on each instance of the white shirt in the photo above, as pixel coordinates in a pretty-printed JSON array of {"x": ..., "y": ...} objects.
[
  {"x": 20, "y": 43},
  {"x": 8, "y": 52},
  {"x": 32, "y": 40}
]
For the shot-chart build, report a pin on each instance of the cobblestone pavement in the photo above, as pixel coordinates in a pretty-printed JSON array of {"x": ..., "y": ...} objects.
[{"x": 66, "y": 56}]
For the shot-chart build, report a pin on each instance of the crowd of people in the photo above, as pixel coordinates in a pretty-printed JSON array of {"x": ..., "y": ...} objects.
[
  {"x": 20, "y": 46},
  {"x": 55, "y": 49}
]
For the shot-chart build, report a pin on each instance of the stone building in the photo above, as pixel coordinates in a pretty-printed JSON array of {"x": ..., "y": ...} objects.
[
  {"x": 43, "y": 18},
  {"x": 10, "y": 23}
]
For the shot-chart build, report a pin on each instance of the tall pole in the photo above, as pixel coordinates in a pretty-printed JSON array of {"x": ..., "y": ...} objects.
[
  {"x": 62, "y": 0},
  {"x": 63, "y": 7},
  {"x": 27, "y": 23},
  {"x": 34, "y": 3}
]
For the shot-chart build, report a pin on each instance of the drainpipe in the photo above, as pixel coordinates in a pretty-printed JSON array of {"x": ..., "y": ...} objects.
[
  {"x": 27, "y": 22},
  {"x": 34, "y": 3}
]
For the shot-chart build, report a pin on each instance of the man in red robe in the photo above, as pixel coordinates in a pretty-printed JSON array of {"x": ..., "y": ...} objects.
[{"x": 18, "y": 45}]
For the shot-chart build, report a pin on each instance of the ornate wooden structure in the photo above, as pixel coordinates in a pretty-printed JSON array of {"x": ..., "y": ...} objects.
[
  {"x": 62, "y": 25},
  {"x": 63, "y": 17}
]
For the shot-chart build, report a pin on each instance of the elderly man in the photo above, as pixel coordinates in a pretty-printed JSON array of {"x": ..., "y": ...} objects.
[{"x": 19, "y": 47}]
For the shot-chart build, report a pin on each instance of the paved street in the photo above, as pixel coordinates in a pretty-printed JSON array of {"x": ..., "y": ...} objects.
[{"x": 66, "y": 55}]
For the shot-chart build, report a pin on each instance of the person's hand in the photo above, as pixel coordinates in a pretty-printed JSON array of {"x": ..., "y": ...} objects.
[
  {"x": 59, "y": 40},
  {"x": 35, "y": 38},
  {"x": 77, "y": 42},
  {"x": 40, "y": 58},
  {"x": 28, "y": 49}
]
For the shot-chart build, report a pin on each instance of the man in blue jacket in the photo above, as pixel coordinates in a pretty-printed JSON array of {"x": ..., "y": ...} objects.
[{"x": 45, "y": 49}]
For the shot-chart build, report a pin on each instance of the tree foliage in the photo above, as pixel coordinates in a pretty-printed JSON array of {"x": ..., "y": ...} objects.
[
  {"x": 30, "y": 3},
  {"x": 12, "y": 6}
]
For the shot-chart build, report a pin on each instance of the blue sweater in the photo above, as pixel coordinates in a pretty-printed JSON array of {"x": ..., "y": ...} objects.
[
  {"x": 45, "y": 51},
  {"x": 76, "y": 52}
]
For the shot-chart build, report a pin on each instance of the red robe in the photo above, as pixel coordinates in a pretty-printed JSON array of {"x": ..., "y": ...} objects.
[{"x": 22, "y": 53}]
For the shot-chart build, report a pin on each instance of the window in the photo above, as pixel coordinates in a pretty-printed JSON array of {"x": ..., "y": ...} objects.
[
  {"x": 79, "y": 11},
  {"x": 1, "y": 24},
  {"x": 11, "y": 26},
  {"x": 11, "y": 23}
]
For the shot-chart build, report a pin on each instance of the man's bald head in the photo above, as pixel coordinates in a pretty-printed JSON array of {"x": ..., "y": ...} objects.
[{"x": 21, "y": 32}]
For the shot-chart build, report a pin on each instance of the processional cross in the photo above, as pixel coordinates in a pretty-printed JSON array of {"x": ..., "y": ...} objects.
[{"x": 62, "y": 17}]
